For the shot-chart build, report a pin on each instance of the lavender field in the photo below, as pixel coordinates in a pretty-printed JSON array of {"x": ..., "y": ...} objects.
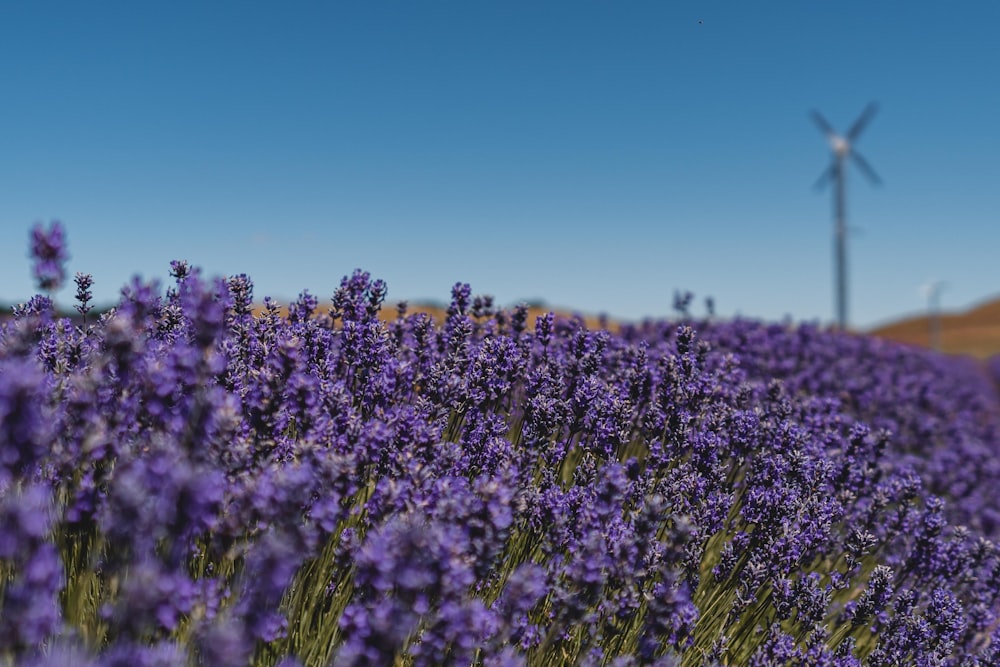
[{"x": 185, "y": 483}]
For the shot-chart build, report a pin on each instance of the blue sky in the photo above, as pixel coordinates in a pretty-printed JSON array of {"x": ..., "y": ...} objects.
[{"x": 594, "y": 155}]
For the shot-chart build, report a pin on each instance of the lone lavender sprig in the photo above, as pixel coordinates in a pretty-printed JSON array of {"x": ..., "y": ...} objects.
[
  {"x": 48, "y": 252},
  {"x": 84, "y": 281}
]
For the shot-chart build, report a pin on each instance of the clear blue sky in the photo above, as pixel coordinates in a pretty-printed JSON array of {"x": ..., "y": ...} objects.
[{"x": 595, "y": 155}]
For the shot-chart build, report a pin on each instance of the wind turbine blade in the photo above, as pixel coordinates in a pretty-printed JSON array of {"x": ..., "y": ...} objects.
[
  {"x": 823, "y": 126},
  {"x": 827, "y": 176},
  {"x": 861, "y": 122},
  {"x": 866, "y": 168}
]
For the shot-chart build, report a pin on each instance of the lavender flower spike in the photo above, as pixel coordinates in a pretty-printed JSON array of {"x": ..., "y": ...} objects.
[{"x": 48, "y": 250}]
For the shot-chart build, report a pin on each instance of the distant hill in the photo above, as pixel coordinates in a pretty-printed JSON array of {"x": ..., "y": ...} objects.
[{"x": 975, "y": 332}]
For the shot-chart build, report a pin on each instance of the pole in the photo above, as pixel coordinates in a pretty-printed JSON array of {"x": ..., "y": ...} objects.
[
  {"x": 841, "y": 243},
  {"x": 935, "y": 323},
  {"x": 934, "y": 314}
]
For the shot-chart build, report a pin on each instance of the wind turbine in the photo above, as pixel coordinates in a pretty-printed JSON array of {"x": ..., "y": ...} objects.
[
  {"x": 932, "y": 292},
  {"x": 843, "y": 148}
]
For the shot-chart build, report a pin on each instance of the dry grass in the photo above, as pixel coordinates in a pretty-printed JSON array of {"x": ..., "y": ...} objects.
[{"x": 975, "y": 332}]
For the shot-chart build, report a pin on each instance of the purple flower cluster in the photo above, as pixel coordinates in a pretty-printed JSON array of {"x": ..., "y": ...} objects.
[
  {"x": 29, "y": 612},
  {"x": 185, "y": 482},
  {"x": 48, "y": 250}
]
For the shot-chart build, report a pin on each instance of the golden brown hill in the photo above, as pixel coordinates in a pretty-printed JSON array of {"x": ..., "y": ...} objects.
[{"x": 975, "y": 332}]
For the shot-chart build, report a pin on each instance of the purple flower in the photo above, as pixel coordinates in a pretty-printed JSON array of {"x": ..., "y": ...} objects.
[
  {"x": 184, "y": 504},
  {"x": 152, "y": 601},
  {"x": 48, "y": 250},
  {"x": 25, "y": 424},
  {"x": 269, "y": 569},
  {"x": 29, "y": 606},
  {"x": 470, "y": 491},
  {"x": 225, "y": 642},
  {"x": 127, "y": 654},
  {"x": 404, "y": 571},
  {"x": 84, "y": 281}
]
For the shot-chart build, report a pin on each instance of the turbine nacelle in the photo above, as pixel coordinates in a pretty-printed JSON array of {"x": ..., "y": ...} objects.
[{"x": 840, "y": 146}]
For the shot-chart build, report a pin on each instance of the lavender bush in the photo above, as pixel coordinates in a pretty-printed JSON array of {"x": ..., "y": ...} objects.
[{"x": 185, "y": 482}]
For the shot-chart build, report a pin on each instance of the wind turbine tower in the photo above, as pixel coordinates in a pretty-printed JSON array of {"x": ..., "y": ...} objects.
[
  {"x": 842, "y": 147},
  {"x": 932, "y": 291}
]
